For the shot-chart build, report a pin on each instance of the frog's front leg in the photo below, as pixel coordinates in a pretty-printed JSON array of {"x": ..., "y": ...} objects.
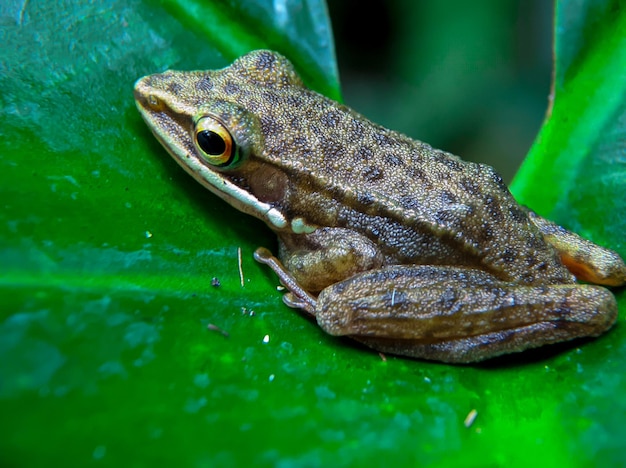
[
  {"x": 451, "y": 314},
  {"x": 327, "y": 256}
]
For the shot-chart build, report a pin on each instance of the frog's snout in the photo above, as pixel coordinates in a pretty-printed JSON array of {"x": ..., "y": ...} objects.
[{"x": 144, "y": 97}]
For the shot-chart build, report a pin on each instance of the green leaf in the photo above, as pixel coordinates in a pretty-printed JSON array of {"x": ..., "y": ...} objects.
[
  {"x": 299, "y": 30},
  {"x": 116, "y": 350}
]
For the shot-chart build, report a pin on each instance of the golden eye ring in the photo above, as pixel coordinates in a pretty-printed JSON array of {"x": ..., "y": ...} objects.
[{"x": 215, "y": 143}]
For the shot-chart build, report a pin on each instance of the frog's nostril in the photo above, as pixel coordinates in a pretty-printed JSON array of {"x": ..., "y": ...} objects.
[{"x": 144, "y": 95}]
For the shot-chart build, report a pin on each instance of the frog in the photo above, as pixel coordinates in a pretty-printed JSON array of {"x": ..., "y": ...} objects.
[{"x": 382, "y": 238}]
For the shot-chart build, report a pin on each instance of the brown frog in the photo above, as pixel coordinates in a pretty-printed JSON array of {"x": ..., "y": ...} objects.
[{"x": 382, "y": 238}]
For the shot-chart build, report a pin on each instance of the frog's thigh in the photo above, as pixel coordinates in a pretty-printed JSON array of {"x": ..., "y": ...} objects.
[
  {"x": 327, "y": 256},
  {"x": 459, "y": 314}
]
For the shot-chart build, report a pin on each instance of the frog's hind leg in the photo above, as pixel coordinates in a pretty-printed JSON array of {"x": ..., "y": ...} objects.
[
  {"x": 586, "y": 260},
  {"x": 459, "y": 315}
]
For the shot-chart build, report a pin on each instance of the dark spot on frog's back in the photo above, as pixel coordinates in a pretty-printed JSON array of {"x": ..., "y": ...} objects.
[
  {"x": 489, "y": 173},
  {"x": 270, "y": 97},
  {"x": 204, "y": 84},
  {"x": 470, "y": 186},
  {"x": 270, "y": 126},
  {"x": 265, "y": 60},
  {"x": 451, "y": 162},
  {"x": 509, "y": 255},
  {"x": 231, "y": 88},
  {"x": 332, "y": 149},
  {"x": 393, "y": 160},
  {"x": 301, "y": 142},
  {"x": 382, "y": 139},
  {"x": 448, "y": 198},
  {"x": 331, "y": 119},
  {"x": 340, "y": 287},
  {"x": 363, "y": 154},
  {"x": 294, "y": 123},
  {"x": 497, "y": 178},
  {"x": 420, "y": 177},
  {"x": 493, "y": 208},
  {"x": 357, "y": 128},
  {"x": 409, "y": 203},
  {"x": 448, "y": 300},
  {"x": 447, "y": 217},
  {"x": 564, "y": 310},
  {"x": 294, "y": 100},
  {"x": 174, "y": 88},
  {"x": 372, "y": 174},
  {"x": 483, "y": 232},
  {"x": 518, "y": 215},
  {"x": 365, "y": 199},
  {"x": 534, "y": 243}
]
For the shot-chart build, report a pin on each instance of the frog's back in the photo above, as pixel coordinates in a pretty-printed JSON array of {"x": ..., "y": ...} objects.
[{"x": 421, "y": 205}]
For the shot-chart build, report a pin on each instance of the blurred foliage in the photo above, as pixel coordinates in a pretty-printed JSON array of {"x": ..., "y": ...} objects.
[
  {"x": 469, "y": 77},
  {"x": 576, "y": 170}
]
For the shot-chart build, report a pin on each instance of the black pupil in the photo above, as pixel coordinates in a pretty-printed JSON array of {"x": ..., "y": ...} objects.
[{"x": 211, "y": 142}]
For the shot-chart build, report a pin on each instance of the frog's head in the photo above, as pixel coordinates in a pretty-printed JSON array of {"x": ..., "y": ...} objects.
[{"x": 214, "y": 125}]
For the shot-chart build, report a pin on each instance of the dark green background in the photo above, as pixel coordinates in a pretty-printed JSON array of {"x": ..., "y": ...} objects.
[
  {"x": 468, "y": 77},
  {"x": 107, "y": 249}
]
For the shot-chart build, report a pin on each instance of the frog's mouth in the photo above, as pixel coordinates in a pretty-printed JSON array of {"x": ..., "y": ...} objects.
[{"x": 158, "y": 112}]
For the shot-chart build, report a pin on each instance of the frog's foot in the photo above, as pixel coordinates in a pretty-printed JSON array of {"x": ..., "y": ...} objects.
[
  {"x": 458, "y": 314},
  {"x": 586, "y": 260},
  {"x": 297, "y": 297}
]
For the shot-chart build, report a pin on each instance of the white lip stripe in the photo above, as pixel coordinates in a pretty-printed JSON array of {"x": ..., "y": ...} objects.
[
  {"x": 276, "y": 218},
  {"x": 213, "y": 181},
  {"x": 239, "y": 197}
]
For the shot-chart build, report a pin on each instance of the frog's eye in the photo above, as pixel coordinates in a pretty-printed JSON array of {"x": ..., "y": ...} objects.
[{"x": 215, "y": 143}]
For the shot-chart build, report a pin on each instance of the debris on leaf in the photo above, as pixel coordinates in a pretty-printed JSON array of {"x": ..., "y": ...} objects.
[
  {"x": 470, "y": 418},
  {"x": 248, "y": 312},
  {"x": 240, "y": 266},
  {"x": 213, "y": 327}
]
